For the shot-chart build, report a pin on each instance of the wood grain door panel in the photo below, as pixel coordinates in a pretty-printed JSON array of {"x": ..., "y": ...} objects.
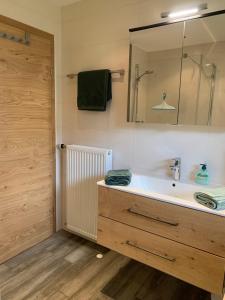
[{"x": 27, "y": 158}]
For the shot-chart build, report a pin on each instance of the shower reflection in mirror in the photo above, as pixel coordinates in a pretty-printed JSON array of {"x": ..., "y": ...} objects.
[
  {"x": 155, "y": 75},
  {"x": 137, "y": 82},
  {"x": 208, "y": 71},
  {"x": 177, "y": 73}
]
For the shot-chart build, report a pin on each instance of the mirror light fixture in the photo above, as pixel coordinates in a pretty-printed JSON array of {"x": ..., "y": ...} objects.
[{"x": 184, "y": 13}]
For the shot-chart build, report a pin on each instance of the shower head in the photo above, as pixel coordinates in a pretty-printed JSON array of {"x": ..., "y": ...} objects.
[
  {"x": 213, "y": 70},
  {"x": 147, "y": 72},
  {"x": 210, "y": 65}
]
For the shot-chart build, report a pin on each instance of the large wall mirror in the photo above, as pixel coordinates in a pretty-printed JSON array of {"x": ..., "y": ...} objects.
[{"x": 177, "y": 72}]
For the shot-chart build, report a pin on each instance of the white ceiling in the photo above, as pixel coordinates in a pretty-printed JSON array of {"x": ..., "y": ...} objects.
[{"x": 63, "y": 2}]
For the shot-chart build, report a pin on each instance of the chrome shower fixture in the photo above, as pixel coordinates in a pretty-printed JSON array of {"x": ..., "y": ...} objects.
[
  {"x": 202, "y": 66},
  {"x": 186, "y": 55},
  {"x": 148, "y": 72}
]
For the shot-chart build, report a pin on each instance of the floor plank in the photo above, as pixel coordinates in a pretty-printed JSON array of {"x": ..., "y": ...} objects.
[
  {"x": 93, "y": 270},
  {"x": 65, "y": 267},
  {"x": 27, "y": 280},
  {"x": 61, "y": 279},
  {"x": 91, "y": 286}
]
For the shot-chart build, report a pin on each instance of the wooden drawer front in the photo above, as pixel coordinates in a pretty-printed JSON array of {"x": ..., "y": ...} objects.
[
  {"x": 191, "y": 227},
  {"x": 194, "y": 266}
]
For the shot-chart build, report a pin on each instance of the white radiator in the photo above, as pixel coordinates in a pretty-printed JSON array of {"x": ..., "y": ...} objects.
[{"x": 84, "y": 167}]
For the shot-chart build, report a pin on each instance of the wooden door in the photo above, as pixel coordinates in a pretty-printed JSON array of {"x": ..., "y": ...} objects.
[{"x": 26, "y": 139}]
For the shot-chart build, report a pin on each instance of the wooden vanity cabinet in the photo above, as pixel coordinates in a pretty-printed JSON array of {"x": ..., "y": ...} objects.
[{"x": 182, "y": 242}]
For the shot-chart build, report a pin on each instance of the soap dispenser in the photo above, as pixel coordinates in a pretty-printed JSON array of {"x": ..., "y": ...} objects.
[{"x": 202, "y": 176}]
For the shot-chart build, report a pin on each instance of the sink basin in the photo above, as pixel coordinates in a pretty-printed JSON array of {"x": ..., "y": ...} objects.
[
  {"x": 165, "y": 187},
  {"x": 165, "y": 190}
]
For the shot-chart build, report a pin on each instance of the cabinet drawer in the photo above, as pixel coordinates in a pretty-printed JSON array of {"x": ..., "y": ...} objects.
[
  {"x": 191, "y": 227},
  {"x": 191, "y": 265}
]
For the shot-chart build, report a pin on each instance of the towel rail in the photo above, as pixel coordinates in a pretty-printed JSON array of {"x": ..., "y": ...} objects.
[{"x": 121, "y": 72}]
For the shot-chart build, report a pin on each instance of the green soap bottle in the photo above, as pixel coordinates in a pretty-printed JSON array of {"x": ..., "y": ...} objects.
[{"x": 202, "y": 176}]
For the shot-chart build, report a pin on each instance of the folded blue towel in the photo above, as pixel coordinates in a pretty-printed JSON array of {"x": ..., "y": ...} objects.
[
  {"x": 212, "y": 198},
  {"x": 118, "y": 177}
]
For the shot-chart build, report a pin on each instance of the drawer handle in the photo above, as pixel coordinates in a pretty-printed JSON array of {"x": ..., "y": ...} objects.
[
  {"x": 132, "y": 211},
  {"x": 166, "y": 257}
]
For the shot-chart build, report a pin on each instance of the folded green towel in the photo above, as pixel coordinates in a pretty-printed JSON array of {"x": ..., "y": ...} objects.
[
  {"x": 213, "y": 198},
  {"x": 118, "y": 177}
]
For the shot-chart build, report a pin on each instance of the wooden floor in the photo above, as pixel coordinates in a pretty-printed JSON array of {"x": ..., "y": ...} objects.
[
  {"x": 66, "y": 267},
  {"x": 138, "y": 281}
]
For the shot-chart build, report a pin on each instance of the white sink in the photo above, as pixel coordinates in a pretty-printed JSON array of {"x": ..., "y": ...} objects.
[
  {"x": 165, "y": 187},
  {"x": 165, "y": 190}
]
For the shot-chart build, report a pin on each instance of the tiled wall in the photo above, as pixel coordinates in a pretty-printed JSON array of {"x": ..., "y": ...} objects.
[{"x": 95, "y": 35}]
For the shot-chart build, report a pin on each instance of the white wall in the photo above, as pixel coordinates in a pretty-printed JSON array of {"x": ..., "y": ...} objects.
[
  {"x": 47, "y": 17},
  {"x": 95, "y": 35}
]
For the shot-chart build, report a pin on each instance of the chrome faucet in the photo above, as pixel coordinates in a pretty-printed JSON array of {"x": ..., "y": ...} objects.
[{"x": 175, "y": 168}]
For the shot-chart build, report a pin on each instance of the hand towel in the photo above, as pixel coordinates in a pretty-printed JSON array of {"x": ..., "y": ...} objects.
[
  {"x": 118, "y": 177},
  {"x": 212, "y": 198},
  {"x": 94, "y": 90}
]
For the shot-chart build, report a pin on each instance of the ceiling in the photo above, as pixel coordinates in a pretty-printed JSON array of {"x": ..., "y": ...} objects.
[{"x": 63, "y": 2}]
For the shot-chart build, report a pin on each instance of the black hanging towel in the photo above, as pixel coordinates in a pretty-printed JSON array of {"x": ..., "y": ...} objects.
[{"x": 94, "y": 90}]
